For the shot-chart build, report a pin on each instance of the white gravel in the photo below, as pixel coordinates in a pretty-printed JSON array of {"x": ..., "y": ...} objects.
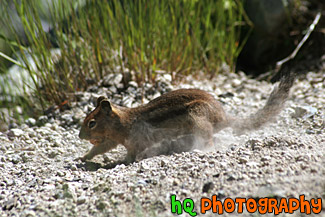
[{"x": 39, "y": 175}]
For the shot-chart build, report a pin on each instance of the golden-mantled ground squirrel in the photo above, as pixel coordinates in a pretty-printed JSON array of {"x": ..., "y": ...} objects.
[{"x": 170, "y": 123}]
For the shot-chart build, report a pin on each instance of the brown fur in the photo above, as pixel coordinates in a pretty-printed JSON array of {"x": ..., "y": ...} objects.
[{"x": 169, "y": 123}]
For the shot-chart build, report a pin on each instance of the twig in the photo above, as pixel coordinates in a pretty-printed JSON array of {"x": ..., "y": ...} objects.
[{"x": 301, "y": 43}]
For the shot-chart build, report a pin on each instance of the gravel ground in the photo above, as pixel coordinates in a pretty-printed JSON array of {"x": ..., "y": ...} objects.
[{"x": 286, "y": 158}]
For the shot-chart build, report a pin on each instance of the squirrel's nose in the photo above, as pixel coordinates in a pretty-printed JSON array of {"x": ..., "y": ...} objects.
[{"x": 82, "y": 134}]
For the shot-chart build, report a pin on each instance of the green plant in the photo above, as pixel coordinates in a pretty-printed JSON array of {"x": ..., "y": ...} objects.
[{"x": 101, "y": 37}]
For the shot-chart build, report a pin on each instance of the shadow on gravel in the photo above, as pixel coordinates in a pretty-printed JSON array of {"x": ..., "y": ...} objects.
[{"x": 93, "y": 166}]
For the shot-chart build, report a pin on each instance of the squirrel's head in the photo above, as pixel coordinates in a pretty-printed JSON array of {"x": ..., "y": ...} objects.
[{"x": 101, "y": 124}]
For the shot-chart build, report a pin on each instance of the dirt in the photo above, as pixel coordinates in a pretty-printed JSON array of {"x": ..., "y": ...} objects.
[{"x": 284, "y": 159}]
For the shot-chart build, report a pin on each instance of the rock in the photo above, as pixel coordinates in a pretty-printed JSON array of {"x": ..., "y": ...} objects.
[
  {"x": 9, "y": 182},
  {"x": 81, "y": 200},
  {"x": 74, "y": 167},
  {"x": 53, "y": 154},
  {"x": 12, "y": 125},
  {"x": 42, "y": 120},
  {"x": 15, "y": 132},
  {"x": 66, "y": 192},
  {"x": 231, "y": 177},
  {"x": 142, "y": 182},
  {"x": 30, "y": 122},
  {"x": 68, "y": 119},
  {"x": 235, "y": 82},
  {"x": 29, "y": 213},
  {"x": 176, "y": 182},
  {"x": 207, "y": 187},
  {"x": 221, "y": 194},
  {"x": 101, "y": 204},
  {"x": 163, "y": 162},
  {"x": 266, "y": 158},
  {"x": 304, "y": 112},
  {"x": 133, "y": 84},
  {"x": 9, "y": 204},
  {"x": 143, "y": 166},
  {"x": 243, "y": 159}
]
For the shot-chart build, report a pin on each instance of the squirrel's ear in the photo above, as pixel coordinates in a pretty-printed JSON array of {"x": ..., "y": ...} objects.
[
  {"x": 99, "y": 99},
  {"x": 106, "y": 105}
]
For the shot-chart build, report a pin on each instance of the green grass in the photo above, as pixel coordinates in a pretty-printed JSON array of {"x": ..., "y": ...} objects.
[{"x": 178, "y": 36}]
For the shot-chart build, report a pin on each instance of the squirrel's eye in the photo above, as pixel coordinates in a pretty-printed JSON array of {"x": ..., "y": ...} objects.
[{"x": 91, "y": 124}]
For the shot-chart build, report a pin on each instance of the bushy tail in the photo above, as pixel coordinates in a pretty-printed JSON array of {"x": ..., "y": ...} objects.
[{"x": 273, "y": 106}]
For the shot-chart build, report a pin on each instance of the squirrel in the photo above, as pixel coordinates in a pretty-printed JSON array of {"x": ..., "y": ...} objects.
[{"x": 171, "y": 122}]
